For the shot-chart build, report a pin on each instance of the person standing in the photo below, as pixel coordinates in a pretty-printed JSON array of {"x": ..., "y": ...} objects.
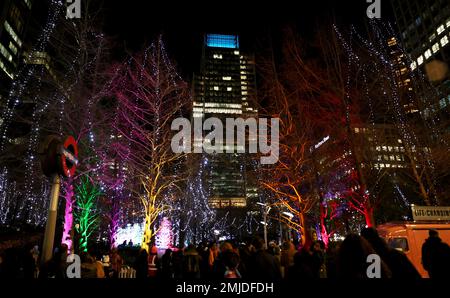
[
  {"x": 397, "y": 261},
  {"x": 153, "y": 262},
  {"x": 116, "y": 263},
  {"x": 167, "y": 264},
  {"x": 192, "y": 260},
  {"x": 141, "y": 264},
  {"x": 436, "y": 256}
]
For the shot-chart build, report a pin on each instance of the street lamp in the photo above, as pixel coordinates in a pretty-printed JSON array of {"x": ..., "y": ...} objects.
[
  {"x": 289, "y": 214},
  {"x": 264, "y": 222}
]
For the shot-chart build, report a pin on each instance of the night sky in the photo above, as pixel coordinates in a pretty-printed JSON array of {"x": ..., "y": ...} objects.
[{"x": 183, "y": 23}]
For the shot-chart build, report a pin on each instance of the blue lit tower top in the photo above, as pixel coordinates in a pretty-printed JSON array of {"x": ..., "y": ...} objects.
[{"x": 222, "y": 41}]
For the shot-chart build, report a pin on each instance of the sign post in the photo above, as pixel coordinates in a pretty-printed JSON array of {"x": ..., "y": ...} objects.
[
  {"x": 59, "y": 159},
  {"x": 47, "y": 248}
]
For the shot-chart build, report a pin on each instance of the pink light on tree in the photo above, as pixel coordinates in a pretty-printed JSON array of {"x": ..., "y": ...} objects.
[
  {"x": 164, "y": 237},
  {"x": 69, "y": 197}
]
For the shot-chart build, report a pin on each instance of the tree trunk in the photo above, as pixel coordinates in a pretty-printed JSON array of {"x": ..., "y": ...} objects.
[
  {"x": 148, "y": 234},
  {"x": 68, "y": 216},
  {"x": 370, "y": 219}
]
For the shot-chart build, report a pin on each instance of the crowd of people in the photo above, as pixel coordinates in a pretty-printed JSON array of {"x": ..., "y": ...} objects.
[{"x": 248, "y": 260}]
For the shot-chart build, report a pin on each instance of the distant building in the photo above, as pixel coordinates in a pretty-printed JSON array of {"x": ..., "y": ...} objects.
[
  {"x": 386, "y": 163},
  {"x": 14, "y": 16},
  {"x": 226, "y": 88},
  {"x": 424, "y": 27}
]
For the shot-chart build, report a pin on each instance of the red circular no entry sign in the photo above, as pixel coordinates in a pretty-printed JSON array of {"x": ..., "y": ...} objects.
[{"x": 68, "y": 157}]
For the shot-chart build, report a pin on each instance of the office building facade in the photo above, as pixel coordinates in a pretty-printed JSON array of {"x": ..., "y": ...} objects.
[
  {"x": 14, "y": 15},
  {"x": 226, "y": 88},
  {"x": 424, "y": 27}
]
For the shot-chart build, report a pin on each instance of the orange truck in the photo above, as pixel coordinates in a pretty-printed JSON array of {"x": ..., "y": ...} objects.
[{"x": 409, "y": 237}]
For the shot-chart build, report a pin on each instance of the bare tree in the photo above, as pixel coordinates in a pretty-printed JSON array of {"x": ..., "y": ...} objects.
[{"x": 150, "y": 95}]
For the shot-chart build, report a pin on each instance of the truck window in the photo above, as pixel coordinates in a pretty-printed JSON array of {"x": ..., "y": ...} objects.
[{"x": 400, "y": 243}]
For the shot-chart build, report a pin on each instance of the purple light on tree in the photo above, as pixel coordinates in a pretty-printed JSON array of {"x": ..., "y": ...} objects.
[{"x": 68, "y": 214}]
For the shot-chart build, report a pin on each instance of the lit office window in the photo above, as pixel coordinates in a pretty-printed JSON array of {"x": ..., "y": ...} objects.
[
  {"x": 413, "y": 65},
  {"x": 229, "y": 88},
  {"x": 16, "y": 18},
  {"x": 217, "y": 56},
  {"x": 13, "y": 48},
  {"x": 427, "y": 54},
  {"x": 420, "y": 60},
  {"x": 226, "y": 78},
  {"x": 216, "y": 88},
  {"x": 243, "y": 77},
  {"x": 440, "y": 29},
  {"x": 13, "y": 34},
  {"x": 432, "y": 37},
  {"x": 222, "y": 41},
  {"x": 435, "y": 48},
  {"x": 3, "y": 67},
  {"x": 236, "y": 52},
  {"x": 5, "y": 53},
  {"x": 444, "y": 40}
]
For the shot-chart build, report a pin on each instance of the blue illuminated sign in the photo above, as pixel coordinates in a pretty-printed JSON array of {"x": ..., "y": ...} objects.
[{"x": 222, "y": 41}]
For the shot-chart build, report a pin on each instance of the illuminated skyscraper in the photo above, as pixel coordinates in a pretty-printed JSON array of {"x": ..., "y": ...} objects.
[
  {"x": 424, "y": 26},
  {"x": 13, "y": 18},
  {"x": 225, "y": 88}
]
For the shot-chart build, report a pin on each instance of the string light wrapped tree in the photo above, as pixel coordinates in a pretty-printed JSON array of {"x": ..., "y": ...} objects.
[
  {"x": 150, "y": 95},
  {"x": 164, "y": 237},
  {"x": 86, "y": 213},
  {"x": 286, "y": 178}
]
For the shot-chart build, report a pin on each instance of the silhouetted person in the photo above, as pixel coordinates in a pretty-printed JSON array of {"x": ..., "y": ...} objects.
[
  {"x": 263, "y": 266},
  {"x": 178, "y": 260},
  {"x": 153, "y": 262},
  {"x": 88, "y": 266},
  {"x": 436, "y": 256},
  {"x": 141, "y": 264},
  {"x": 287, "y": 256},
  {"x": 303, "y": 267},
  {"x": 29, "y": 263},
  {"x": 203, "y": 250},
  {"x": 219, "y": 266},
  {"x": 317, "y": 251},
  {"x": 352, "y": 259},
  {"x": 398, "y": 262},
  {"x": 167, "y": 264},
  {"x": 332, "y": 254},
  {"x": 116, "y": 263},
  {"x": 191, "y": 266},
  {"x": 231, "y": 262}
]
